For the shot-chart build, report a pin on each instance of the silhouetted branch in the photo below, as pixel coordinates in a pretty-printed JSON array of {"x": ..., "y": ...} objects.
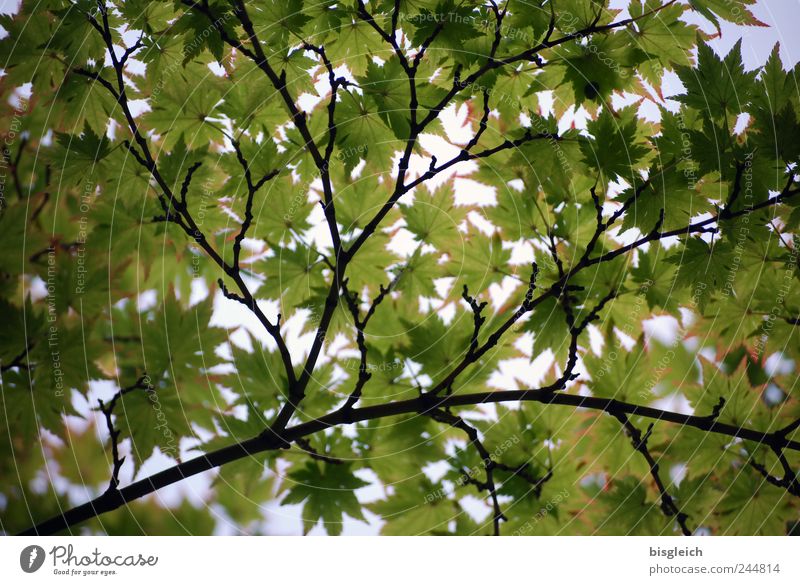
[
  {"x": 473, "y": 355},
  {"x": 175, "y": 208},
  {"x": 108, "y": 412},
  {"x": 522, "y": 472},
  {"x": 477, "y": 317},
  {"x": 279, "y": 434},
  {"x": 364, "y": 375},
  {"x": 423, "y": 404},
  {"x": 482, "y": 124},
  {"x": 488, "y": 463},
  {"x": 18, "y": 361},
  {"x": 187, "y": 180},
  {"x": 252, "y": 189},
  {"x": 306, "y": 446},
  {"x": 639, "y": 442}
]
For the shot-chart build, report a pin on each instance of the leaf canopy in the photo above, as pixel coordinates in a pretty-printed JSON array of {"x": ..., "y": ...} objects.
[{"x": 443, "y": 251}]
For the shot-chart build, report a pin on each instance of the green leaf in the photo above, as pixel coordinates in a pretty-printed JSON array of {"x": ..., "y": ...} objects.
[
  {"x": 742, "y": 403},
  {"x": 628, "y": 511},
  {"x": 259, "y": 378},
  {"x": 326, "y": 491},
  {"x": 717, "y": 87},
  {"x": 557, "y": 166},
  {"x": 362, "y": 130},
  {"x": 278, "y": 23},
  {"x": 752, "y": 506},
  {"x": 436, "y": 219},
  {"x": 590, "y": 73},
  {"x": 673, "y": 193},
  {"x": 518, "y": 215},
  {"x": 478, "y": 261},
  {"x": 451, "y": 22},
  {"x": 183, "y": 107},
  {"x": 360, "y": 200},
  {"x": 398, "y": 451},
  {"x": 388, "y": 87},
  {"x": 616, "y": 150},
  {"x": 701, "y": 268},
  {"x": 369, "y": 265},
  {"x": 415, "y": 277},
  {"x": 356, "y": 43},
  {"x": 288, "y": 210},
  {"x": 291, "y": 276},
  {"x": 549, "y": 325},
  {"x": 416, "y": 507},
  {"x": 248, "y": 100},
  {"x": 621, "y": 375},
  {"x": 180, "y": 345},
  {"x": 154, "y": 418},
  {"x": 662, "y": 34},
  {"x": 735, "y": 11},
  {"x": 242, "y": 489},
  {"x": 81, "y": 156}
]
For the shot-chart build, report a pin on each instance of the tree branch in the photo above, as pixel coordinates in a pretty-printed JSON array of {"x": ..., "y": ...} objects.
[
  {"x": 422, "y": 404},
  {"x": 364, "y": 375},
  {"x": 488, "y": 463},
  {"x": 639, "y": 442},
  {"x": 142, "y": 383},
  {"x": 181, "y": 215},
  {"x": 476, "y": 353},
  {"x": 252, "y": 189},
  {"x": 18, "y": 361}
]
